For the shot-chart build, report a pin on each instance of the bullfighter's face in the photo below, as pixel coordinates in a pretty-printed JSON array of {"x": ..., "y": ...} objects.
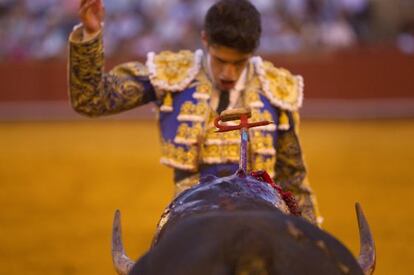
[{"x": 226, "y": 65}]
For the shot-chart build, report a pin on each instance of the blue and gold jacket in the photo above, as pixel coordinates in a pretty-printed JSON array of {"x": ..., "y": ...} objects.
[{"x": 179, "y": 86}]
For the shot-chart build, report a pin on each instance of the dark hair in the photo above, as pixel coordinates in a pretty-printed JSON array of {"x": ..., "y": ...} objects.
[{"x": 235, "y": 24}]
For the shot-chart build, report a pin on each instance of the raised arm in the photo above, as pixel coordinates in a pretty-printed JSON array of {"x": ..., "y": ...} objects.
[{"x": 92, "y": 91}]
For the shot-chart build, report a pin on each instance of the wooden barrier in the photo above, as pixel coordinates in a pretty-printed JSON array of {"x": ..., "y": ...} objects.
[
  {"x": 377, "y": 75},
  {"x": 358, "y": 74}
]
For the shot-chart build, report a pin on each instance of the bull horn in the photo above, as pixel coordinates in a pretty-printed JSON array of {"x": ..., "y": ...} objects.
[
  {"x": 367, "y": 255},
  {"x": 121, "y": 261}
]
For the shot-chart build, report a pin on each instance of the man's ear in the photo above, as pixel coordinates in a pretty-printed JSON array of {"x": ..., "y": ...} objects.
[{"x": 204, "y": 39}]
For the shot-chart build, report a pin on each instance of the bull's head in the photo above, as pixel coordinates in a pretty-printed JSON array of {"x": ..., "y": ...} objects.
[{"x": 245, "y": 242}]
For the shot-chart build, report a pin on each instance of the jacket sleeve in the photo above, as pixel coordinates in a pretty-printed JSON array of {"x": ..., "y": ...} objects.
[
  {"x": 93, "y": 92},
  {"x": 291, "y": 171}
]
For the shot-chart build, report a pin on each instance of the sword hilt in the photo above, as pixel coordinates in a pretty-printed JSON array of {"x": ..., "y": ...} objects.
[{"x": 242, "y": 114}]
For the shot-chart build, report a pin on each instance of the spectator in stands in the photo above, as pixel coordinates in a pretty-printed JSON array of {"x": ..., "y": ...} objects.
[
  {"x": 405, "y": 38},
  {"x": 37, "y": 29}
]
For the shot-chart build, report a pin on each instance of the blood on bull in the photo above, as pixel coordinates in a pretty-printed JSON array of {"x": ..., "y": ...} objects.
[{"x": 242, "y": 224}]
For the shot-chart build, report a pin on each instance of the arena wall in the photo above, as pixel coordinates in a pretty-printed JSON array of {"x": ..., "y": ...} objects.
[{"x": 374, "y": 82}]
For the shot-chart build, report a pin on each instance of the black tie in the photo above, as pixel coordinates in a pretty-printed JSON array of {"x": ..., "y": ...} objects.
[{"x": 223, "y": 101}]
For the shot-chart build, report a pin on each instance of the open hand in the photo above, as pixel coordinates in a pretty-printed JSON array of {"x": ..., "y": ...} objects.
[{"x": 91, "y": 14}]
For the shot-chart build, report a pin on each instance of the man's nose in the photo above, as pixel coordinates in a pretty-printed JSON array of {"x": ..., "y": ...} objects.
[{"x": 229, "y": 72}]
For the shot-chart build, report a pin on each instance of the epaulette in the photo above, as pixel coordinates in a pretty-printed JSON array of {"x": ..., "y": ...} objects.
[
  {"x": 173, "y": 71},
  {"x": 283, "y": 89}
]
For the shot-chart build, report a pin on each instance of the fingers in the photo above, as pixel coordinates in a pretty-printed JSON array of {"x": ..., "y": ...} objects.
[
  {"x": 82, "y": 3},
  {"x": 91, "y": 14},
  {"x": 85, "y": 5},
  {"x": 96, "y": 4}
]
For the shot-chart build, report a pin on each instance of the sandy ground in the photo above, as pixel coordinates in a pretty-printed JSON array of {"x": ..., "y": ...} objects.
[{"x": 61, "y": 182}]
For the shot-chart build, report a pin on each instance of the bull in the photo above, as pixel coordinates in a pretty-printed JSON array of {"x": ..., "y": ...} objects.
[{"x": 242, "y": 224}]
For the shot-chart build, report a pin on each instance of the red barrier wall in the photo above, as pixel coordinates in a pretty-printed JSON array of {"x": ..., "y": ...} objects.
[{"x": 358, "y": 74}]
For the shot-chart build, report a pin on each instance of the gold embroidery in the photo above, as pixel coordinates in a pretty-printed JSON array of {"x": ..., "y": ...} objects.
[
  {"x": 267, "y": 116},
  {"x": 211, "y": 154},
  {"x": 188, "y": 134},
  {"x": 179, "y": 157},
  {"x": 231, "y": 152},
  {"x": 186, "y": 111},
  {"x": 201, "y": 110},
  {"x": 93, "y": 92},
  {"x": 268, "y": 144},
  {"x": 232, "y": 137},
  {"x": 173, "y": 68},
  {"x": 220, "y": 153},
  {"x": 191, "y": 157},
  {"x": 262, "y": 143},
  {"x": 187, "y": 108},
  {"x": 282, "y": 83},
  {"x": 193, "y": 112},
  {"x": 283, "y": 121},
  {"x": 283, "y": 89},
  {"x": 181, "y": 135},
  {"x": 212, "y": 137},
  {"x": 256, "y": 141},
  {"x": 167, "y": 105},
  {"x": 257, "y": 116},
  {"x": 195, "y": 133},
  {"x": 258, "y": 163},
  {"x": 203, "y": 90},
  {"x": 252, "y": 97}
]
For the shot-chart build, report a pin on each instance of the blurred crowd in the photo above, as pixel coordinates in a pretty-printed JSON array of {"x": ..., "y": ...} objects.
[{"x": 38, "y": 29}]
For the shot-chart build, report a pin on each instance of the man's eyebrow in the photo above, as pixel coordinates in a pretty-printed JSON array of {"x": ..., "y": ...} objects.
[
  {"x": 220, "y": 59},
  {"x": 233, "y": 62}
]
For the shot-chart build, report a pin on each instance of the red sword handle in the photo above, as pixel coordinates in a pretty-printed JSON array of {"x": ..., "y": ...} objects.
[
  {"x": 243, "y": 124},
  {"x": 242, "y": 115}
]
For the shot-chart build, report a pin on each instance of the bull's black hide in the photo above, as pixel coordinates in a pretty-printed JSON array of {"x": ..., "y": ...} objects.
[
  {"x": 236, "y": 192},
  {"x": 246, "y": 242},
  {"x": 239, "y": 225}
]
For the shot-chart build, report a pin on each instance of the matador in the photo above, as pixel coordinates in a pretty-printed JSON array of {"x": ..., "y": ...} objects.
[{"x": 190, "y": 88}]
